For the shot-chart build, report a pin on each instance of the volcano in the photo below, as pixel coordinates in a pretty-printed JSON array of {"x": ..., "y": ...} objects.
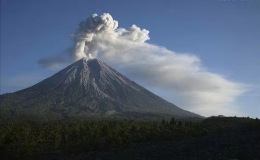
[{"x": 87, "y": 87}]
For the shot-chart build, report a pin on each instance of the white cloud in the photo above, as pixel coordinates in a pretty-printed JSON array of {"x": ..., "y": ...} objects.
[
  {"x": 178, "y": 74},
  {"x": 182, "y": 74}
]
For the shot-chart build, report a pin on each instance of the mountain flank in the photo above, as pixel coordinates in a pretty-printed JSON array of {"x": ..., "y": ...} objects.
[{"x": 88, "y": 87}]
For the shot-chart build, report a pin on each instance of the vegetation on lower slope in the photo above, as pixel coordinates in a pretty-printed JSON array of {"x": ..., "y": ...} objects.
[{"x": 32, "y": 138}]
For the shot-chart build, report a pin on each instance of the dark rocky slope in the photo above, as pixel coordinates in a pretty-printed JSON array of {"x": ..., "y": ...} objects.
[{"x": 87, "y": 88}]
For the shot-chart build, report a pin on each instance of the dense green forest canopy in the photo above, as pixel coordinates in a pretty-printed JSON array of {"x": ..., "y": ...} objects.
[{"x": 28, "y": 137}]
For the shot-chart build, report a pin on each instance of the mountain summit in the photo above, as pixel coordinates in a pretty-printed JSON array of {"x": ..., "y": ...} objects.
[{"x": 85, "y": 88}]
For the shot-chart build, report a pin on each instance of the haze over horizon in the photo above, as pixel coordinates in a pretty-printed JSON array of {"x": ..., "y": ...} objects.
[{"x": 192, "y": 55}]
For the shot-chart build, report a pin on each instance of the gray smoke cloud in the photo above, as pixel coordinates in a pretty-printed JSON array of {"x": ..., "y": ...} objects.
[
  {"x": 182, "y": 76},
  {"x": 85, "y": 43},
  {"x": 84, "y": 35}
]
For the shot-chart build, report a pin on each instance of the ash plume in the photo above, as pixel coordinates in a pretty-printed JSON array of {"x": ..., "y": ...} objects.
[
  {"x": 83, "y": 37},
  {"x": 178, "y": 76}
]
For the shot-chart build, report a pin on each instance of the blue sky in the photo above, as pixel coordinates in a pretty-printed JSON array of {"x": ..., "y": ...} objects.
[{"x": 223, "y": 34}]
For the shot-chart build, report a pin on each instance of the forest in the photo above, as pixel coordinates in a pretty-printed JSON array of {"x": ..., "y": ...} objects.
[{"x": 212, "y": 138}]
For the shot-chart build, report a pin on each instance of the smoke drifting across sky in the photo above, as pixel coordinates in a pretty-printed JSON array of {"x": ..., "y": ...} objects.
[{"x": 177, "y": 74}]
